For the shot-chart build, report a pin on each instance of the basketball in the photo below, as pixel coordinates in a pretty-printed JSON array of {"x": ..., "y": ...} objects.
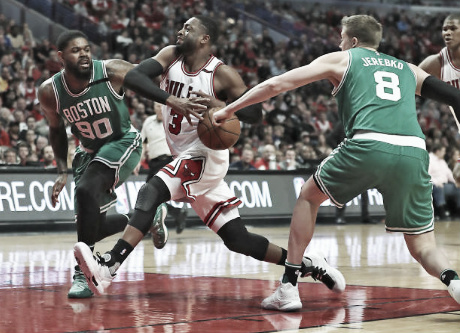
[{"x": 218, "y": 137}]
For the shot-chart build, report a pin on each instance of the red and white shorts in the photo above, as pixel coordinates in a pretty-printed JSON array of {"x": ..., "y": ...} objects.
[{"x": 197, "y": 177}]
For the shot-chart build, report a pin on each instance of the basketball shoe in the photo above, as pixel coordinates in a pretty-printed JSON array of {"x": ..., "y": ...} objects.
[
  {"x": 316, "y": 266},
  {"x": 285, "y": 298},
  {"x": 79, "y": 287},
  {"x": 454, "y": 290},
  {"x": 98, "y": 273},
  {"x": 158, "y": 229}
]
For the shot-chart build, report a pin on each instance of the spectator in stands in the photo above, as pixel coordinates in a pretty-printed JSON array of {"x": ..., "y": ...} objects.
[
  {"x": 322, "y": 124},
  {"x": 321, "y": 147},
  {"x": 5, "y": 79},
  {"x": 30, "y": 138},
  {"x": 29, "y": 40},
  {"x": 444, "y": 187},
  {"x": 4, "y": 137},
  {"x": 42, "y": 127},
  {"x": 307, "y": 158},
  {"x": 5, "y": 113},
  {"x": 289, "y": 162},
  {"x": 5, "y": 44},
  {"x": 79, "y": 8},
  {"x": 122, "y": 41},
  {"x": 48, "y": 157},
  {"x": 40, "y": 143},
  {"x": 268, "y": 159},
  {"x": 10, "y": 156},
  {"x": 13, "y": 133},
  {"x": 30, "y": 125},
  {"x": 246, "y": 161},
  {"x": 20, "y": 111},
  {"x": 42, "y": 52},
  {"x": 16, "y": 37},
  {"x": 45, "y": 75},
  {"x": 52, "y": 63},
  {"x": 23, "y": 152},
  {"x": 139, "y": 115},
  {"x": 28, "y": 91}
]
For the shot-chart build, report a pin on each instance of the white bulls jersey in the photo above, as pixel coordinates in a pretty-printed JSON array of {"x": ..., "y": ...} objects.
[
  {"x": 449, "y": 73},
  {"x": 179, "y": 82},
  {"x": 196, "y": 175}
]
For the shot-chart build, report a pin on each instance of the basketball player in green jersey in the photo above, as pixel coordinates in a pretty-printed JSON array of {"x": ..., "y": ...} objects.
[
  {"x": 88, "y": 96},
  {"x": 384, "y": 149}
]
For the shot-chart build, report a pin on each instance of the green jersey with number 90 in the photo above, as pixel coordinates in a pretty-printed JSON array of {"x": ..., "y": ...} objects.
[
  {"x": 377, "y": 94},
  {"x": 98, "y": 114}
]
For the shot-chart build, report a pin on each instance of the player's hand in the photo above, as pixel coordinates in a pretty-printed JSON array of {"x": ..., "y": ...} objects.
[
  {"x": 220, "y": 115},
  {"x": 213, "y": 102},
  {"x": 188, "y": 106},
  {"x": 57, "y": 188}
]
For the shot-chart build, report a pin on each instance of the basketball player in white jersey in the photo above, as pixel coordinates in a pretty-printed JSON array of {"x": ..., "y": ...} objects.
[
  {"x": 196, "y": 175},
  {"x": 446, "y": 64}
]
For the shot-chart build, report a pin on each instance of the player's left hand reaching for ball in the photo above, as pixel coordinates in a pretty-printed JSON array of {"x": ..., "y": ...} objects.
[{"x": 219, "y": 116}]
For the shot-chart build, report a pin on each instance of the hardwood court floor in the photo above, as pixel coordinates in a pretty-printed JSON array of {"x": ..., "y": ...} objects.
[{"x": 195, "y": 284}]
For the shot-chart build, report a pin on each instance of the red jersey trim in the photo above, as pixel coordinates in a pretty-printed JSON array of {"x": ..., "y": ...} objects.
[{"x": 218, "y": 208}]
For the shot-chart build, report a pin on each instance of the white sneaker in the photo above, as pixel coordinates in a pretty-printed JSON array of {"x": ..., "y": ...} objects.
[
  {"x": 285, "y": 298},
  {"x": 158, "y": 229},
  {"x": 454, "y": 290},
  {"x": 96, "y": 271},
  {"x": 316, "y": 266}
]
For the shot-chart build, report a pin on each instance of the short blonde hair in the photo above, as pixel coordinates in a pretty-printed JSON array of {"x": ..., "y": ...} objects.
[{"x": 365, "y": 28}]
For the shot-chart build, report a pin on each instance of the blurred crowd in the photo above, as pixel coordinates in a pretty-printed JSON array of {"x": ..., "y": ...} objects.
[{"x": 299, "y": 128}]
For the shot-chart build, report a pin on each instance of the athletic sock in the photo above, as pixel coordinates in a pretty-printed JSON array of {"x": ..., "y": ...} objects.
[
  {"x": 291, "y": 273},
  {"x": 448, "y": 275},
  {"x": 121, "y": 251}
]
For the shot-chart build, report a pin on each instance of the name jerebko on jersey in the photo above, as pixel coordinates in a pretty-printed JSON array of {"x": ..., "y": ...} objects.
[{"x": 370, "y": 61}]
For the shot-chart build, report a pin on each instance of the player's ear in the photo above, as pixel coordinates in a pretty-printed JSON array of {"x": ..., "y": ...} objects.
[
  {"x": 205, "y": 39},
  {"x": 354, "y": 42}
]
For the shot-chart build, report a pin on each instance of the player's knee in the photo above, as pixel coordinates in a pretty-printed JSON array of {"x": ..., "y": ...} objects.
[
  {"x": 237, "y": 239},
  {"x": 151, "y": 195},
  {"x": 85, "y": 193}
]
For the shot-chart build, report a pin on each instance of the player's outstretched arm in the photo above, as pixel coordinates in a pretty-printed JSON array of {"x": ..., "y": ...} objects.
[
  {"x": 330, "y": 66},
  {"x": 141, "y": 80}
]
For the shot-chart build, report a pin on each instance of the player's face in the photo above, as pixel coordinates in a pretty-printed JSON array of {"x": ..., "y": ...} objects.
[
  {"x": 451, "y": 33},
  {"x": 189, "y": 36},
  {"x": 77, "y": 58},
  {"x": 346, "y": 43}
]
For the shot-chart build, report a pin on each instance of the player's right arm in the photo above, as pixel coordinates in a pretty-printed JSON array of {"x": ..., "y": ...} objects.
[
  {"x": 330, "y": 66},
  {"x": 140, "y": 80},
  {"x": 432, "y": 65},
  {"x": 57, "y": 135}
]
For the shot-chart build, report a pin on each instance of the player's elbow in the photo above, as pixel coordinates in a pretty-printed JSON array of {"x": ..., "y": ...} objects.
[
  {"x": 131, "y": 78},
  {"x": 274, "y": 85}
]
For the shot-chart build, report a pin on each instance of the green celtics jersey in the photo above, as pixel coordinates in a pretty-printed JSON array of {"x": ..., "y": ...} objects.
[
  {"x": 377, "y": 94},
  {"x": 98, "y": 114}
]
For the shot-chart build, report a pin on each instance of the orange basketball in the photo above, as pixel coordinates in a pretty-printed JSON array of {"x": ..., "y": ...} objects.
[{"x": 218, "y": 137}]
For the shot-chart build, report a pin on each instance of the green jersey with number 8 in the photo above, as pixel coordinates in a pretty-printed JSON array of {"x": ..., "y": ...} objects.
[
  {"x": 98, "y": 114},
  {"x": 376, "y": 94}
]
